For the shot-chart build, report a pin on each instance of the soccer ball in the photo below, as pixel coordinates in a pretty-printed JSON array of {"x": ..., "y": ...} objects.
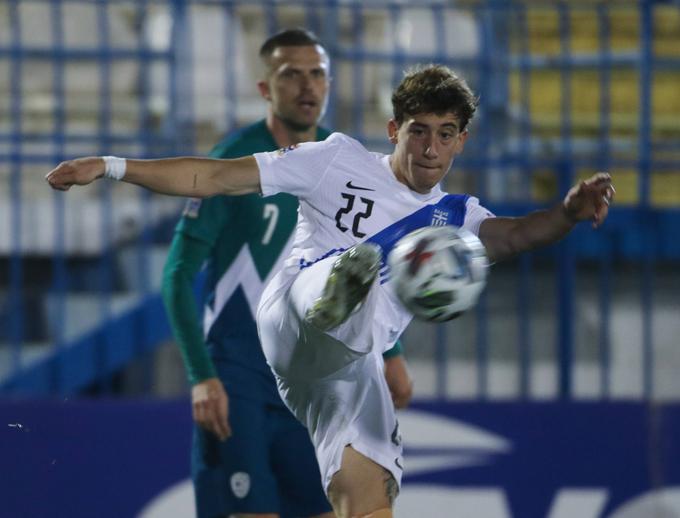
[{"x": 438, "y": 272}]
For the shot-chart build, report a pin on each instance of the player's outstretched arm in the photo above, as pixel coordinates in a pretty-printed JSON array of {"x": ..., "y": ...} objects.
[
  {"x": 186, "y": 176},
  {"x": 588, "y": 200}
]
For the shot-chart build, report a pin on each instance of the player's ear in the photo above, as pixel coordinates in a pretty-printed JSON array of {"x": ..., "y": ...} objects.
[
  {"x": 392, "y": 130},
  {"x": 263, "y": 87},
  {"x": 460, "y": 145}
]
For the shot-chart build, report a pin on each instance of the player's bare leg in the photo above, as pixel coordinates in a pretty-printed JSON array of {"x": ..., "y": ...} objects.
[
  {"x": 362, "y": 488},
  {"x": 324, "y": 515},
  {"x": 268, "y": 515},
  {"x": 347, "y": 285}
]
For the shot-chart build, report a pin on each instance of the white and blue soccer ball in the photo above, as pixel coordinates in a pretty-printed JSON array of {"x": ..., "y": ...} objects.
[{"x": 438, "y": 272}]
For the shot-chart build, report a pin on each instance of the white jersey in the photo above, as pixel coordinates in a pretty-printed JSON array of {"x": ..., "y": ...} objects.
[
  {"x": 350, "y": 195},
  {"x": 333, "y": 382}
]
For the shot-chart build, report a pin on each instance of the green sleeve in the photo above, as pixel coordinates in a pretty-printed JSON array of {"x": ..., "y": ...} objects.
[
  {"x": 185, "y": 258},
  {"x": 395, "y": 351}
]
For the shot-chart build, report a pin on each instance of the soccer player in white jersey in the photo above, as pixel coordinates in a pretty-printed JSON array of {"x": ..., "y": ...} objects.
[{"x": 324, "y": 320}]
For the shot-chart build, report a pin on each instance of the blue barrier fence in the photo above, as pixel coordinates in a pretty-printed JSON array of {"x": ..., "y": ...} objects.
[
  {"x": 565, "y": 87},
  {"x": 507, "y": 460}
]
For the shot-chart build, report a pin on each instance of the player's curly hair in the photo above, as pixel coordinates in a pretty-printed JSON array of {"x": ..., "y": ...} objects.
[{"x": 434, "y": 89}]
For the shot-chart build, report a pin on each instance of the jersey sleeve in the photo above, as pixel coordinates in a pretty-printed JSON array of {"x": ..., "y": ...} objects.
[
  {"x": 395, "y": 350},
  {"x": 474, "y": 215},
  {"x": 298, "y": 169},
  {"x": 185, "y": 258}
]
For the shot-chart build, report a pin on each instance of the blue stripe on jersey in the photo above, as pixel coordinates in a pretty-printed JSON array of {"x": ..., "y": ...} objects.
[
  {"x": 450, "y": 210},
  {"x": 333, "y": 251}
]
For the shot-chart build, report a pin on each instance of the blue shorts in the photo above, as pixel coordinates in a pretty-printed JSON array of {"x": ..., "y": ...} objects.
[{"x": 267, "y": 465}]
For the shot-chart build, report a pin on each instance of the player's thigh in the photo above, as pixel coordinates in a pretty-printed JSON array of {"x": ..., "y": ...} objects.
[
  {"x": 296, "y": 468},
  {"x": 235, "y": 475}
]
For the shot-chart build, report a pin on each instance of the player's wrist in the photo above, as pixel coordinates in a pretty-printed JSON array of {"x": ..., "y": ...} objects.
[
  {"x": 114, "y": 167},
  {"x": 569, "y": 214}
]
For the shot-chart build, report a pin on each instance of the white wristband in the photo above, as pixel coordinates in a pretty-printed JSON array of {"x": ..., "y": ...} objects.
[{"x": 114, "y": 167}]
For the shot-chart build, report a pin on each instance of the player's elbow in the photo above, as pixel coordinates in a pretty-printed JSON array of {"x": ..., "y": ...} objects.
[
  {"x": 172, "y": 279},
  {"x": 235, "y": 177}
]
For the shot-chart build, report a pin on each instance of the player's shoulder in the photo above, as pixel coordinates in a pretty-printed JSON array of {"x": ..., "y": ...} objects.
[
  {"x": 341, "y": 138},
  {"x": 343, "y": 141},
  {"x": 245, "y": 141}
]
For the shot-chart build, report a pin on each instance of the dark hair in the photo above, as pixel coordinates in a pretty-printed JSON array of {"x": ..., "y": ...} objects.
[
  {"x": 434, "y": 89},
  {"x": 288, "y": 38}
]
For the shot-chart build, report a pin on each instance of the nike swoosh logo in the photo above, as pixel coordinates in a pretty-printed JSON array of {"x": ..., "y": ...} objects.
[
  {"x": 350, "y": 186},
  {"x": 396, "y": 461}
]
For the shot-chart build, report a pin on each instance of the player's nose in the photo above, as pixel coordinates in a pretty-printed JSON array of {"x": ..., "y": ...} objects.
[{"x": 431, "y": 150}]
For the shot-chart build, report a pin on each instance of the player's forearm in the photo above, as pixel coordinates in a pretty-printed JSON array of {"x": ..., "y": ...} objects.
[
  {"x": 506, "y": 237},
  {"x": 187, "y": 176},
  {"x": 183, "y": 317},
  {"x": 184, "y": 261},
  {"x": 195, "y": 177}
]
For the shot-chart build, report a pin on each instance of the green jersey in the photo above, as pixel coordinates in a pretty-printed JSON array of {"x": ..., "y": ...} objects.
[{"x": 243, "y": 241}]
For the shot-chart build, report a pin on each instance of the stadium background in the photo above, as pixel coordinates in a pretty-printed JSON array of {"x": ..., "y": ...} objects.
[{"x": 573, "y": 346}]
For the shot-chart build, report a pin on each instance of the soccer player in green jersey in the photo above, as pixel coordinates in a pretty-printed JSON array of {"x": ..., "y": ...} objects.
[{"x": 267, "y": 467}]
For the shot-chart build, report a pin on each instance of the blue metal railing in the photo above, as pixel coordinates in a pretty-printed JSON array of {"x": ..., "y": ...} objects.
[
  {"x": 16, "y": 298},
  {"x": 507, "y": 140}
]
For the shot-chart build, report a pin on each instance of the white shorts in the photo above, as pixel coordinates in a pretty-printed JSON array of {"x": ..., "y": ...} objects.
[
  {"x": 333, "y": 382},
  {"x": 290, "y": 345},
  {"x": 353, "y": 407}
]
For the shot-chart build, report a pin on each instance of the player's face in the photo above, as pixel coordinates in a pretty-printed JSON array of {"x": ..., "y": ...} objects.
[
  {"x": 426, "y": 145},
  {"x": 297, "y": 85}
]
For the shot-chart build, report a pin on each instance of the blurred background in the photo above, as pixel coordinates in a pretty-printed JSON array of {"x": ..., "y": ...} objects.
[{"x": 556, "y": 397}]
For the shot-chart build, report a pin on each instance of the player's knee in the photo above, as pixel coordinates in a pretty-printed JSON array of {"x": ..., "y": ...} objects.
[
  {"x": 361, "y": 487},
  {"x": 241, "y": 515},
  {"x": 380, "y": 513}
]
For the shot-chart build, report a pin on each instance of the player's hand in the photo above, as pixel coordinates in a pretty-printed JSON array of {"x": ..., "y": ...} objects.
[
  {"x": 399, "y": 381},
  {"x": 590, "y": 199},
  {"x": 210, "y": 407},
  {"x": 80, "y": 171}
]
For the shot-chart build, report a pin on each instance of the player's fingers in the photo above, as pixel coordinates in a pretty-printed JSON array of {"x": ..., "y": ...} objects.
[
  {"x": 607, "y": 194},
  {"x": 200, "y": 412},
  {"x": 213, "y": 421},
  {"x": 600, "y": 177},
  {"x": 222, "y": 427},
  {"x": 223, "y": 420},
  {"x": 610, "y": 192},
  {"x": 600, "y": 214}
]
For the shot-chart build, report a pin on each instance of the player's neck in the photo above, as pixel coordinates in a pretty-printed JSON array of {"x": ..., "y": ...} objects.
[{"x": 285, "y": 136}]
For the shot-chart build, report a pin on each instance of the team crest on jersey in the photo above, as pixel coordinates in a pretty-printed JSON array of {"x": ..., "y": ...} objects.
[
  {"x": 285, "y": 150},
  {"x": 192, "y": 207},
  {"x": 439, "y": 217},
  {"x": 240, "y": 484},
  {"x": 396, "y": 436}
]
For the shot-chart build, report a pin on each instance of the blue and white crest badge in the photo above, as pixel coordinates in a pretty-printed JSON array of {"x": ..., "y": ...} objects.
[
  {"x": 440, "y": 217},
  {"x": 193, "y": 205}
]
